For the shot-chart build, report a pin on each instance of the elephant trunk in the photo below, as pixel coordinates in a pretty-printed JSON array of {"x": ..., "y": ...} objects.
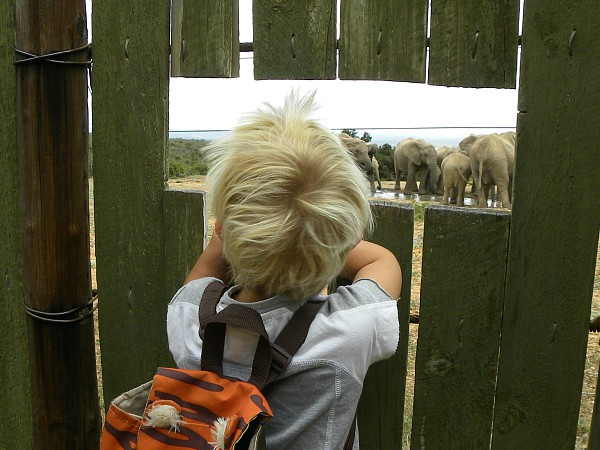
[{"x": 432, "y": 179}]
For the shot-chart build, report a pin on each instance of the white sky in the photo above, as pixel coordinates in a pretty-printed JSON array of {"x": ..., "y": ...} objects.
[{"x": 216, "y": 104}]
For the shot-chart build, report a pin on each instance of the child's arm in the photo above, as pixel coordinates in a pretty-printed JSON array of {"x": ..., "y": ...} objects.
[
  {"x": 211, "y": 262},
  {"x": 369, "y": 260}
]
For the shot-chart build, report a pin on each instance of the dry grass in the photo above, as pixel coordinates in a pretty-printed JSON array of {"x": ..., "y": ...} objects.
[{"x": 593, "y": 352}]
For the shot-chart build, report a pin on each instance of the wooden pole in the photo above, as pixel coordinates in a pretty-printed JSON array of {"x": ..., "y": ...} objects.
[{"x": 52, "y": 134}]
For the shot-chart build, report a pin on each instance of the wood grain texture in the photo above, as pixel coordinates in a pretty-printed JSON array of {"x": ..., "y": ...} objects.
[
  {"x": 14, "y": 361},
  {"x": 184, "y": 215},
  {"x": 381, "y": 408},
  {"x": 473, "y": 43},
  {"x": 52, "y": 137},
  {"x": 462, "y": 292},
  {"x": 130, "y": 104},
  {"x": 554, "y": 230},
  {"x": 294, "y": 39},
  {"x": 383, "y": 40},
  {"x": 205, "y": 39}
]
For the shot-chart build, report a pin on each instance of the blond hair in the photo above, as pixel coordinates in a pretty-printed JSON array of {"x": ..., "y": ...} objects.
[{"x": 291, "y": 200}]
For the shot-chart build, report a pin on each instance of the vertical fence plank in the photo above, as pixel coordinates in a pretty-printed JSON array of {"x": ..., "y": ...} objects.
[
  {"x": 381, "y": 407},
  {"x": 205, "y": 40},
  {"x": 184, "y": 216},
  {"x": 294, "y": 40},
  {"x": 554, "y": 229},
  {"x": 474, "y": 43},
  {"x": 14, "y": 364},
  {"x": 383, "y": 40},
  {"x": 130, "y": 104},
  {"x": 462, "y": 291}
]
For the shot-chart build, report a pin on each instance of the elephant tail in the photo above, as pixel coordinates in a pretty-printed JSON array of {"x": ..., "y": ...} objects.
[
  {"x": 462, "y": 176},
  {"x": 480, "y": 174}
]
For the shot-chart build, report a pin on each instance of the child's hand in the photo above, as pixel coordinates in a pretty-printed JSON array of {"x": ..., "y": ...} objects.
[{"x": 211, "y": 262}]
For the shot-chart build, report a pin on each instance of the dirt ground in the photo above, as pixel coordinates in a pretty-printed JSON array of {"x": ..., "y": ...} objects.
[{"x": 593, "y": 353}]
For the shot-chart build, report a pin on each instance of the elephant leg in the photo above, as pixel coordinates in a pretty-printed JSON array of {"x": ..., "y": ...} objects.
[
  {"x": 371, "y": 182},
  {"x": 460, "y": 198},
  {"x": 454, "y": 195},
  {"x": 423, "y": 182},
  {"x": 411, "y": 182},
  {"x": 501, "y": 180},
  {"x": 503, "y": 196},
  {"x": 447, "y": 193},
  {"x": 397, "y": 184}
]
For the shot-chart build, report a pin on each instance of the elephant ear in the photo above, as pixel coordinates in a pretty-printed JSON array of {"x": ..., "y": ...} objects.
[{"x": 413, "y": 153}]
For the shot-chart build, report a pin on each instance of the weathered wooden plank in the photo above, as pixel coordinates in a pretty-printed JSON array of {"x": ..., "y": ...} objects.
[
  {"x": 184, "y": 218},
  {"x": 52, "y": 137},
  {"x": 383, "y": 40},
  {"x": 554, "y": 234},
  {"x": 14, "y": 362},
  {"x": 381, "y": 408},
  {"x": 473, "y": 43},
  {"x": 462, "y": 292},
  {"x": 205, "y": 39},
  {"x": 130, "y": 104},
  {"x": 294, "y": 40}
]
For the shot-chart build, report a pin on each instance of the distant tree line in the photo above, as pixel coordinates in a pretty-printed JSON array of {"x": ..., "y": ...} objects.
[{"x": 185, "y": 157}]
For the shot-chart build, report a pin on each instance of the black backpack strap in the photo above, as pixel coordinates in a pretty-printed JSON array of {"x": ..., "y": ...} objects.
[
  {"x": 214, "y": 342},
  {"x": 292, "y": 337},
  {"x": 279, "y": 354},
  {"x": 208, "y": 303}
]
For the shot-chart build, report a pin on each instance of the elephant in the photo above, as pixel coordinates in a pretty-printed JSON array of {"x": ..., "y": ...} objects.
[
  {"x": 412, "y": 156},
  {"x": 359, "y": 150},
  {"x": 466, "y": 144},
  {"x": 374, "y": 175},
  {"x": 440, "y": 154},
  {"x": 492, "y": 162},
  {"x": 456, "y": 170}
]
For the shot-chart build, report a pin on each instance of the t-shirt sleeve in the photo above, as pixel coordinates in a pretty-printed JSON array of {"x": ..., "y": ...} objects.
[
  {"x": 182, "y": 324},
  {"x": 368, "y": 316}
]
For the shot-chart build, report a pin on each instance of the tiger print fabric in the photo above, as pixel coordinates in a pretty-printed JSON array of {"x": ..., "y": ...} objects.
[{"x": 186, "y": 409}]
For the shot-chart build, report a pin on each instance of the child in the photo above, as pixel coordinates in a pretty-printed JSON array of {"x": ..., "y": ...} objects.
[{"x": 291, "y": 208}]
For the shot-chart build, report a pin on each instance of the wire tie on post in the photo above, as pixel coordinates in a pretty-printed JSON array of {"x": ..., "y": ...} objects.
[
  {"x": 49, "y": 57},
  {"x": 80, "y": 313}
]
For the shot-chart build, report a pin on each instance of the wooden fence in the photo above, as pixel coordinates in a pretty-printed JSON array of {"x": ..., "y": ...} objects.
[{"x": 505, "y": 298}]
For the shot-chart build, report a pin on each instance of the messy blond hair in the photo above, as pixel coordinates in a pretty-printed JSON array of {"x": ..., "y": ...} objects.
[{"x": 291, "y": 200}]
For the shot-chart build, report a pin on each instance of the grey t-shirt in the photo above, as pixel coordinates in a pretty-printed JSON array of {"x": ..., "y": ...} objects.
[{"x": 314, "y": 400}]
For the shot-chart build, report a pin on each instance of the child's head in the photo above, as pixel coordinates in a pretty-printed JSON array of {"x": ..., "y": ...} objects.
[{"x": 291, "y": 200}]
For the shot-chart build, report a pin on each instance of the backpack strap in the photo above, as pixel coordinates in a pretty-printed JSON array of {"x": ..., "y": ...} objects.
[
  {"x": 208, "y": 303},
  {"x": 214, "y": 342},
  {"x": 276, "y": 357},
  {"x": 291, "y": 338}
]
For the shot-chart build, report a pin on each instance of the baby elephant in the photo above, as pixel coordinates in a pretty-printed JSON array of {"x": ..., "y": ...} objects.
[{"x": 456, "y": 170}]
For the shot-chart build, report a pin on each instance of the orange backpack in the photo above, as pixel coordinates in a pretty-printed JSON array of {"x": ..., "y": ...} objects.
[{"x": 203, "y": 409}]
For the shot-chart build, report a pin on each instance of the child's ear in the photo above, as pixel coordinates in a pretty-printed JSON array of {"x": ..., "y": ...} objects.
[{"x": 218, "y": 228}]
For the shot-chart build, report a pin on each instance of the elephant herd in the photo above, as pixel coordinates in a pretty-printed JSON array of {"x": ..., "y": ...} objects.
[{"x": 488, "y": 158}]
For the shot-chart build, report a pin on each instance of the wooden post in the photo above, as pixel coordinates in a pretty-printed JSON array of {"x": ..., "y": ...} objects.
[
  {"x": 14, "y": 362},
  {"x": 554, "y": 228},
  {"x": 52, "y": 136}
]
